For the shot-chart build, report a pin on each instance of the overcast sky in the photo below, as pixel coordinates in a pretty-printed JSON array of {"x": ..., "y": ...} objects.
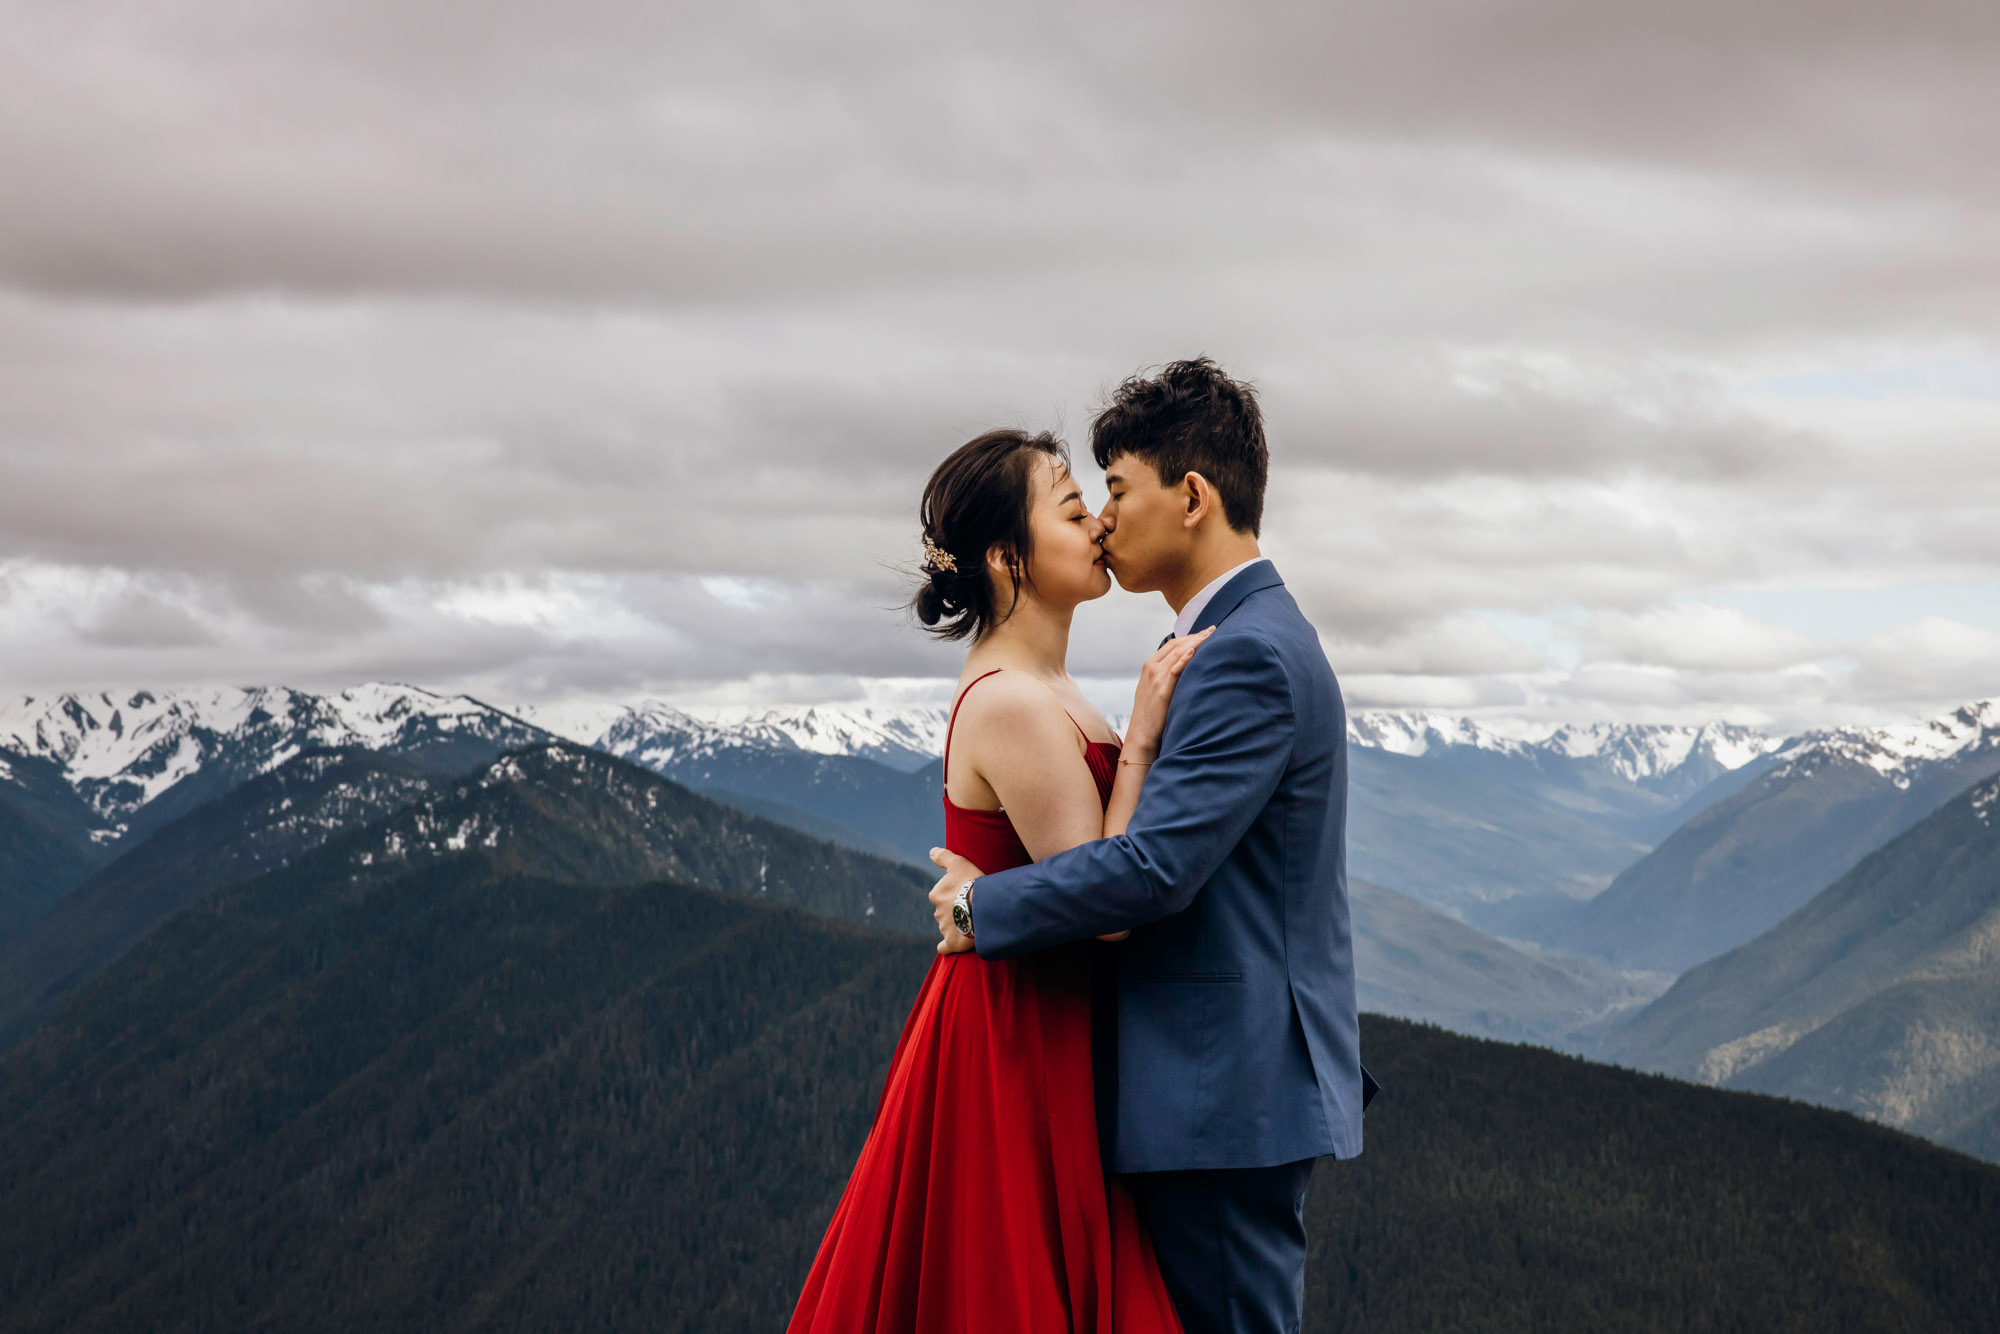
[{"x": 1619, "y": 360}]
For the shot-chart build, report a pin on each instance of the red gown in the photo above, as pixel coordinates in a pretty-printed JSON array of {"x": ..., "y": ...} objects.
[{"x": 979, "y": 1202}]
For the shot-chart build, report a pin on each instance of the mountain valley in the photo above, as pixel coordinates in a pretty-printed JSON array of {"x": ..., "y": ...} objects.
[
  {"x": 1881, "y": 995},
  {"x": 1743, "y": 864}
]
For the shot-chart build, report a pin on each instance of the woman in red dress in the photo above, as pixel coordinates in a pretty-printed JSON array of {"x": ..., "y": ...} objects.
[{"x": 979, "y": 1202}]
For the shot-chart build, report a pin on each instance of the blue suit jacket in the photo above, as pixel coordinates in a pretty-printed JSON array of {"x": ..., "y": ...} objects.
[{"x": 1237, "y": 1038}]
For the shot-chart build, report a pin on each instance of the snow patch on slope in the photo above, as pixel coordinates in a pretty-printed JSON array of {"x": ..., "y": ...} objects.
[{"x": 1983, "y": 799}]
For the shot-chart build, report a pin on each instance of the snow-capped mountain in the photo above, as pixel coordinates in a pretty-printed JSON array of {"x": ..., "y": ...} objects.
[
  {"x": 1825, "y": 801},
  {"x": 122, "y": 752},
  {"x": 1902, "y": 753},
  {"x": 908, "y": 738},
  {"x": 1532, "y": 810},
  {"x": 660, "y": 737},
  {"x": 1644, "y": 754},
  {"x": 658, "y": 734},
  {"x": 902, "y": 738},
  {"x": 1514, "y": 824},
  {"x": 761, "y": 766}
]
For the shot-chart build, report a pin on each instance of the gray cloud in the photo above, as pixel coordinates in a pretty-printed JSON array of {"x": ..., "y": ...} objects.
[
  {"x": 620, "y": 151},
  {"x": 465, "y": 343}
]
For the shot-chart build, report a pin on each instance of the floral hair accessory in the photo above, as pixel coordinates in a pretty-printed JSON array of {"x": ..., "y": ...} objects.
[{"x": 937, "y": 558}]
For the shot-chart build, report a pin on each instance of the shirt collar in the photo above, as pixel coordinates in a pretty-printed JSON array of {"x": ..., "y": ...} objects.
[{"x": 1191, "y": 613}]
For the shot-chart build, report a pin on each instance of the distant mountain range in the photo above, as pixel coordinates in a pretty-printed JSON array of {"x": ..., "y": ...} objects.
[
  {"x": 850, "y": 798},
  {"x": 866, "y": 777},
  {"x": 1881, "y": 995},
  {"x": 1416, "y": 962},
  {"x": 1750, "y": 859},
  {"x": 136, "y": 760},
  {"x": 555, "y": 809},
  {"x": 481, "y": 1035},
  {"x": 1476, "y": 818},
  {"x": 1672, "y": 763},
  {"x": 902, "y": 738},
  {"x": 1467, "y": 840},
  {"x": 1456, "y": 813}
]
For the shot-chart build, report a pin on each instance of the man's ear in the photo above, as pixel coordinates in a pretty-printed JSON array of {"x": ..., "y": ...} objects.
[{"x": 1197, "y": 499}]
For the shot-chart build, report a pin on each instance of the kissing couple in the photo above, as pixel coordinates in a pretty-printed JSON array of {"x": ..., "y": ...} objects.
[{"x": 1145, "y": 943}]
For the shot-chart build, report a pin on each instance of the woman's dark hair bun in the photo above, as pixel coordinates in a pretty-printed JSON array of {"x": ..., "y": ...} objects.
[
  {"x": 934, "y": 601},
  {"x": 977, "y": 498}
]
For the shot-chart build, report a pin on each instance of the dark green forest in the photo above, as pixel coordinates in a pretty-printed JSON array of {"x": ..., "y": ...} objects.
[
  {"x": 553, "y": 810},
  {"x": 46, "y": 847},
  {"x": 454, "y": 1094},
  {"x": 263, "y": 823}
]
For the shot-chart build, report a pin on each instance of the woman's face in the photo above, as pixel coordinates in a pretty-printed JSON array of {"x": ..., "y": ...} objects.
[{"x": 1067, "y": 564}]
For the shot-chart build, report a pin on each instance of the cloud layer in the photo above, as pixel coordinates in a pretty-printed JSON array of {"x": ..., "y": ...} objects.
[{"x": 604, "y": 347}]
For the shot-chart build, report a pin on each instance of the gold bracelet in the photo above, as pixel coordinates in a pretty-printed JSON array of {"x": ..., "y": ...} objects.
[{"x": 1138, "y": 764}]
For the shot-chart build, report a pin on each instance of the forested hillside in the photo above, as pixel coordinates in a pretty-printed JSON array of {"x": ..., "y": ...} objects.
[
  {"x": 267, "y": 821},
  {"x": 451, "y": 1097},
  {"x": 555, "y": 810},
  {"x": 46, "y": 847}
]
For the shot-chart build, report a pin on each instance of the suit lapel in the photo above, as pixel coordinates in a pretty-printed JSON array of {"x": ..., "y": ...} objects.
[{"x": 1260, "y": 576}]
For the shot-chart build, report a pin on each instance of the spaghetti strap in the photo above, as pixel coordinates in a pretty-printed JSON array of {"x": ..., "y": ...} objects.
[{"x": 944, "y": 778}]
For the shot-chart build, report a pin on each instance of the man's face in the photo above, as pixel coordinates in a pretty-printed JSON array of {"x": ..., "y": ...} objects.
[{"x": 1146, "y": 535}]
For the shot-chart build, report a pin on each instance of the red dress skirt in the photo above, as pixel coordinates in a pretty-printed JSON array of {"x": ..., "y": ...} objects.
[{"x": 980, "y": 1202}]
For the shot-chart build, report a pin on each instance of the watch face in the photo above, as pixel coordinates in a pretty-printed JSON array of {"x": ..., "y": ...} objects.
[{"x": 961, "y": 917}]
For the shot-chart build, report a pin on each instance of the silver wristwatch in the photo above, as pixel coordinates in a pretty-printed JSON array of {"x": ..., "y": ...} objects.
[{"x": 961, "y": 909}]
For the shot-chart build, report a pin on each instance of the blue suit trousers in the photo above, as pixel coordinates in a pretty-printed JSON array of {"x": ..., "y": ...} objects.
[{"x": 1231, "y": 1244}]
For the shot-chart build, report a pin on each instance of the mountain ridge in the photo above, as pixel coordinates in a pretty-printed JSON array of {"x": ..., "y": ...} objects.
[
  {"x": 1881, "y": 995},
  {"x": 260, "y": 824},
  {"x": 1744, "y": 863},
  {"x": 351, "y": 817},
  {"x": 139, "y": 758}
]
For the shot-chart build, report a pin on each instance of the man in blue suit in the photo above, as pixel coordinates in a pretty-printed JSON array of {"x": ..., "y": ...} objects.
[{"x": 1238, "y": 1052}]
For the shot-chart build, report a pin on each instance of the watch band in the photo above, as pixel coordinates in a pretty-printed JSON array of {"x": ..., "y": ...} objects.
[{"x": 961, "y": 909}]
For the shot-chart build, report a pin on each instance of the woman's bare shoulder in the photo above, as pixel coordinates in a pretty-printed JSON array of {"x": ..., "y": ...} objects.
[{"x": 1011, "y": 703}]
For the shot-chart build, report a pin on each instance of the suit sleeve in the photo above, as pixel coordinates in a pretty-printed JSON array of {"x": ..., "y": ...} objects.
[{"x": 1229, "y": 736}]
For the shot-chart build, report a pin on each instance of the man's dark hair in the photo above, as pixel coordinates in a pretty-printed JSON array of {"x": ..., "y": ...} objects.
[{"x": 1190, "y": 417}]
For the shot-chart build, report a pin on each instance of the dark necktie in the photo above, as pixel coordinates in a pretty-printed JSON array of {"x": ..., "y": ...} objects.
[{"x": 1164, "y": 642}]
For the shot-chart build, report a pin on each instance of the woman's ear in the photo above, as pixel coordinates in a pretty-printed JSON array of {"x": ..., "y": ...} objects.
[{"x": 1005, "y": 568}]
